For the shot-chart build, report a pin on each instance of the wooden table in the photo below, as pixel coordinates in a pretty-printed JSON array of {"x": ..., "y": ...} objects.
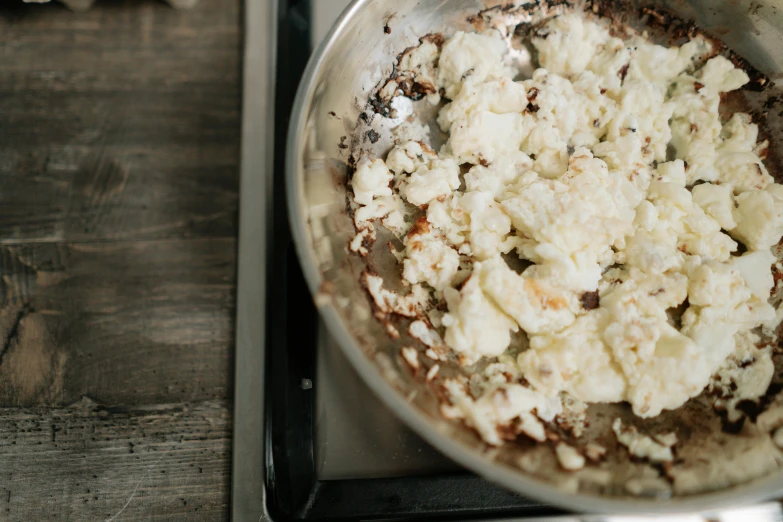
[{"x": 119, "y": 151}]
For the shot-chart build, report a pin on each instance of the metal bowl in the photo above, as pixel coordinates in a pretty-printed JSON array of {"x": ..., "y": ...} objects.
[{"x": 715, "y": 468}]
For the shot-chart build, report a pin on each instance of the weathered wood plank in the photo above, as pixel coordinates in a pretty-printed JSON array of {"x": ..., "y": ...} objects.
[
  {"x": 88, "y": 462},
  {"x": 122, "y": 322},
  {"x": 119, "y": 123},
  {"x": 119, "y": 150}
]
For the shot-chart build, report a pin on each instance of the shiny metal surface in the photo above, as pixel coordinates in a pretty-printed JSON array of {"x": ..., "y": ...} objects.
[
  {"x": 248, "y": 494},
  {"x": 356, "y": 435},
  {"x": 766, "y": 512},
  {"x": 341, "y": 75}
]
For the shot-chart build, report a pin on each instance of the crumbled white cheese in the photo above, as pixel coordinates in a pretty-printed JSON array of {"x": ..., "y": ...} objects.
[
  {"x": 568, "y": 457},
  {"x": 411, "y": 305},
  {"x": 474, "y": 223},
  {"x": 471, "y": 58},
  {"x": 511, "y": 406},
  {"x": 574, "y": 219},
  {"x": 489, "y": 225},
  {"x": 475, "y": 326},
  {"x": 378, "y": 208},
  {"x": 371, "y": 180},
  {"x": 658, "y": 449},
  {"x": 662, "y": 367},
  {"x": 357, "y": 243},
  {"x": 502, "y": 96},
  {"x": 418, "y": 65},
  {"x": 406, "y": 157},
  {"x": 436, "y": 180},
  {"x": 536, "y": 305},
  {"x": 493, "y": 178},
  {"x": 745, "y": 375},
  {"x": 671, "y": 172},
  {"x": 738, "y": 163},
  {"x": 594, "y": 452},
  {"x": 411, "y": 357},
  {"x": 754, "y": 267},
  {"x": 759, "y": 217},
  {"x": 567, "y": 169},
  {"x": 574, "y": 360},
  {"x": 432, "y": 372},
  {"x": 720, "y": 75},
  {"x": 430, "y": 260},
  {"x": 717, "y": 201},
  {"x": 683, "y": 224},
  {"x": 573, "y": 418},
  {"x": 429, "y": 337},
  {"x": 484, "y": 136}
]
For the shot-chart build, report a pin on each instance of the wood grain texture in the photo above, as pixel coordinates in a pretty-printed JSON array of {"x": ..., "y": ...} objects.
[
  {"x": 125, "y": 323},
  {"x": 121, "y": 122},
  {"x": 119, "y": 152},
  {"x": 90, "y": 462}
]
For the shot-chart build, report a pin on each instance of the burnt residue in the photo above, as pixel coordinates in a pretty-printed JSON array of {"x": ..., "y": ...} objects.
[
  {"x": 484, "y": 18},
  {"x": 350, "y": 171},
  {"x": 763, "y": 152},
  {"x": 755, "y": 408},
  {"x": 532, "y": 106},
  {"x": 387, "y": 22},
  {"x": 777, "y": 275},
  {"x": 665, "y": 468},
  {"x": 675, "y": 31},
  {"x": 381, "y": 107},
  {"x": 332, "y": 114},
  {"x": 426, "y": 148},
  {"x": 372, "y": 135},
  {"x": 434, "y": 38},
  {"x": 342, "y": 144},
  {"x": 412, "y": 87},
  {"x": 731, "y": 427},
  {"x": 420, "y": 227},
  {"x": 675, "y": 314},
  {"x": 590, "y": 300},
  {"x": 646, "y": 147},
  {"x": 623, "y": 72},
  {"x": 675, "y": 27},
  {"x": 480, "y": 21},
  {"x": 772, "y": 101},
  {"x": 416, "y": 90}
]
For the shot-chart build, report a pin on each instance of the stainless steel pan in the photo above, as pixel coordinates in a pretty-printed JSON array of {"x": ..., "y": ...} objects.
[{"x": 715, "y": 468}]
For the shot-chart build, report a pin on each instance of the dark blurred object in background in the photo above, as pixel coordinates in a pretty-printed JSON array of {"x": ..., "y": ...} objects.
[{"x": 81, "y": 5}]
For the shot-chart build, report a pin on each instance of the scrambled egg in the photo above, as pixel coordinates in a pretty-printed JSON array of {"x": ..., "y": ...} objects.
[{"x": 611, "y": 175}]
